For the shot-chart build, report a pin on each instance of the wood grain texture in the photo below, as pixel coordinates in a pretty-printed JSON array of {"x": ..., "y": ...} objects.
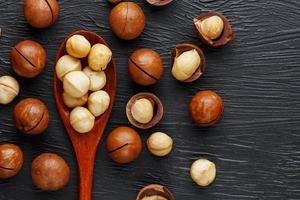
[{"x": 256, "y": 147}]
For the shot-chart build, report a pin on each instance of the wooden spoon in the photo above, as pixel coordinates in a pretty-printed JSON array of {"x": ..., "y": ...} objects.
[{"x": 85, "y": 145}]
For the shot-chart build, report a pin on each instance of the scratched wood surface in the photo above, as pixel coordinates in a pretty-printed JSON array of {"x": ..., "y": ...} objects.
[{"x": 256, "y": 147}]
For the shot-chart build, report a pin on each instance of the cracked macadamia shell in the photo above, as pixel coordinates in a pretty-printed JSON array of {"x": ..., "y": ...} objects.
[
  {"x": 41, "y": 13},
  {"x": 82, "y": 119},
  {"x": 65, "y": 65},
  {"x": 186, "y": 64},
  {"x": 72, "y": 102},
  {"x": 98, "y": 102},
  {"x": 28, "y": 58},
  {"x": 142, "y": 110},
  {"x": 78, "y": 46},
  {"x": 31, "y": 116},
  {"x": 127, "y": 20},
  {"x": 50, "y": 172},
  {"x": 76, "y": 84},
  {"x": 97, "y": 79},
  {"x": 203, "y": 172},
  {"x": 160, "y": 144},
  {"x": 99, "y": 57},
  {"x": 9, "y": 89},
  {"x": 155, "y": 192},
  {"x": 11, "y": 160}
]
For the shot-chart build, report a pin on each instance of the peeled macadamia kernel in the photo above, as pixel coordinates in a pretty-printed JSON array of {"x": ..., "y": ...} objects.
[
  {"x": 97, "y": 79},
  {"x": 212, "y": 27},
  {"x": 76, "y": 84},
  {"x": 142, "y": 110},
  {"x": 186, "y": 64},
  {"x": 65, "y": 65},
  {"x": 78, "y": 46},
  {"x": 98, "y": 102},
  {"x": 160, "y": 144},
  {"x": 72, "y": 102},
  {"x": 99, "y": 57},
  {"x": 203, "y": 172},
  {"x": 82, "y": 120},
  {"x": 9, "y": 89}
]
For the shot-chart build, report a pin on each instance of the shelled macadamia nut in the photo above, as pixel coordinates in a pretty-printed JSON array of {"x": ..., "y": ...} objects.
[
  {"x": 82, "y": 120},
  {"x": 76, "y": 84},
  {"x": 65, "y": 65},
  {"x": 78, "y": 46},
  {"x": 11, "y": 160},
  {"x": 98, "y": 102},
  {"x": 160, "y": 144},
  {"x": 72, "y": 102},
  {"x": 50, "y": 172},
  {"x": 97, "y": 79},
  {"x": 99, "y": 57},
  {"x": 9, "y": 89},
  {"x": 142, "y": 110},
  {"x": 203, "y": 172}
]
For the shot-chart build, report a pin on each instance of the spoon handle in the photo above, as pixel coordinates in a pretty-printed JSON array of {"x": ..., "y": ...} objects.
[{"x": 85, "y": 153}]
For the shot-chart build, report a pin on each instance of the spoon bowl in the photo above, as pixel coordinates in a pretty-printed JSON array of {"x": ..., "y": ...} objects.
[{"x": 85, "y": 145}]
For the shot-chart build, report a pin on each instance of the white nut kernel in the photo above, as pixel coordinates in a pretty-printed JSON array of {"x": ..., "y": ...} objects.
[
  {"x": 160, "y": 144},
  {"x": 9, "y": 89},
  {"x": 97, "y": 79},
  {"x": 212, "y": 27},
  {"x": 76, "y": 84},
  {"x": 82, "y": 120},
  {"x": 99, "y": 57},
  {"x": 203, "y": 172},
  {"x": 142, "y": 110},
  {"x": 98, "y": 102},
  {"x": 65, "y": 65},
  {"x": 186, "y": 64},
  {"x": 78, "y": 46},
  {"x": 72, "y": 102}
]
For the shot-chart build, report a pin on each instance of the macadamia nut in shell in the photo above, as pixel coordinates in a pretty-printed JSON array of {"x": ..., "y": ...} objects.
[
  {"x": 97, "y": 79},
  {"x": 98, "y": 102},
  {"x": 76, "y": 84},
  {"x": 78, "y": 46},
  {"x": 99, "y": 57},
  {"x": 82, "y": 120},
  {"x": 160, "y": 144},
  {"x": 203, "y": 172},
  {"x": 65, "y": 65},
  {"x": 9, "y": 89}
]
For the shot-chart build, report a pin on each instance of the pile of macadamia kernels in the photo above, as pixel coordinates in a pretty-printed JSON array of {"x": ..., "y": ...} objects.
[{"x": 84, "y": 85}]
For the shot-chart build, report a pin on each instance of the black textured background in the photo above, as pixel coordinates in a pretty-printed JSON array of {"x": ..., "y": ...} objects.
[{"x": 256, "y": 147}]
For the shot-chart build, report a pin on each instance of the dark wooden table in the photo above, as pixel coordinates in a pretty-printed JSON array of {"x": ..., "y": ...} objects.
[{"x": 256, "y": 147}]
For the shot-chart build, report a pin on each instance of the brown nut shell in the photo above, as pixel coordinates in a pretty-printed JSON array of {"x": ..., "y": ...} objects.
[
  {"x": 181, "y": 48},
  {"x": 145, "y": 67},
  {"x": 127, "y": 20},
  {"x": 157, "y": 105},
  {"x": 31, "y": 116},
  {"x": 28, "y": 58},
  {"x": 114, "y": 1},
  {"x": 159, "y": 3},
  {"x": 206, "y": 108},
  {"x": 124, "y": 145},
  {"x": 155, "y": 190},
  {"x": 11, "y": 160},
  {"x": 50, "y": 172},
  {"x": 41, "y": 13},
  {"x": 225, "y": 37}
]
